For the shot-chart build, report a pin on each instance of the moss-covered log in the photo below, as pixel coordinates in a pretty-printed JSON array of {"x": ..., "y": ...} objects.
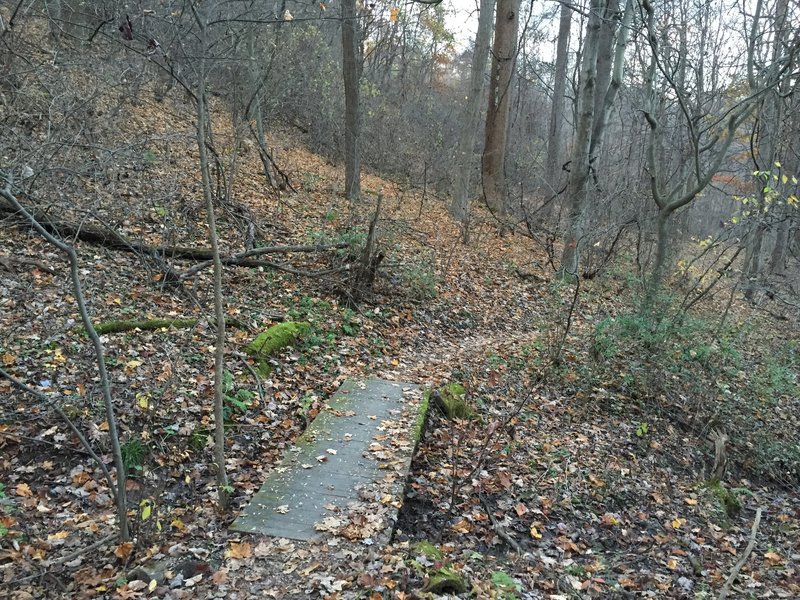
[
  {"x": 120, "y": 325},
  {"x": 268, "y": 342}
]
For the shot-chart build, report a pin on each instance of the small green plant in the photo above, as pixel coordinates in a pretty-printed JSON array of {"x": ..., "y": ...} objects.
[
  {"x": 575, "y": 570},
  {"x": 729, "y": 503},
  {"x": 349, "y": 324},
  {"x": 149, "y": 157},
  {"x": 310, "y": 180},
  {"x": 641, "y": 430},
  {"x": 419, "y": 280},
  {"x": 506, "y": 585},
  {"x": 235, "y": 399},
  {"x": 133, "y": 455},
  {"x": 198, "y": 440}
]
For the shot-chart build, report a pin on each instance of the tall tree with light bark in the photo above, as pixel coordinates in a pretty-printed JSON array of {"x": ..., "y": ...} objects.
[
  {"x": 504, "y": 54},
  {"x": 351, "y": 72},
  {"x": 769, "y": 142},
  {"x": 555, "y": 130},
  {"x": 602, "y": 68},
  {"x": 470, "y": 116},
  {"x": 579, "y": 165}
]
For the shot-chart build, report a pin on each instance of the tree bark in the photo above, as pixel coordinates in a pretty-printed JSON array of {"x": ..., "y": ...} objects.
[
  {"x": 556, "y": 126},
  {"x": 470, "y": 116},
  {"x": 351, "y": 70},
  {"x": 203, "y": 118},
  {"x": 579, "y": 175},
  {"x": 504, "y": 53},
  {"x": 607, "y": 92}
]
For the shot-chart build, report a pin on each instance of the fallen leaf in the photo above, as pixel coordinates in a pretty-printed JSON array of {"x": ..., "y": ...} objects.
[{"x": 239, "y": 550}]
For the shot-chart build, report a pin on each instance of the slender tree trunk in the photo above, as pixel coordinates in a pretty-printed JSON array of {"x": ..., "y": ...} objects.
[
  {"x": 219, "y": 302},
  {"x": 470, "y": 116},
  {"x": 579, "y": 175},
  {"x": 771, "y": 139},
  {"x": 555, "y": 131},
  {"x": 606, "y": 94},
  {"x": 656, "y": 279},
  {"x": 256, "y": 108},
  {"x": 504, "y": 53},
  {"x": 351, "y": 70},
  {"x": 777, "y": 263}
]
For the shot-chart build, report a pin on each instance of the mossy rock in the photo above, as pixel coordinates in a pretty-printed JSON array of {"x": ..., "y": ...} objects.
[
  {"x": 428, "y": 550},
  {"x": 269, "y": 342},
  {"x": 451, "y": 400},
  {"x": 445, "y": 581}
]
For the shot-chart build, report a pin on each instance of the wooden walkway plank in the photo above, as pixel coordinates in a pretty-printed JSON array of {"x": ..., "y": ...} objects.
[{"x": 346, "y": 474}]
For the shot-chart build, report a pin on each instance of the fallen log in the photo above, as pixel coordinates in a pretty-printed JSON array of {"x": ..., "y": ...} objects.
[{"x": 108, "y": 238}]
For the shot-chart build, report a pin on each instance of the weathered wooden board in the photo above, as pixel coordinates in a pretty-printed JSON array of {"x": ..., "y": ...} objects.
[{"x": 345, "y": 475}]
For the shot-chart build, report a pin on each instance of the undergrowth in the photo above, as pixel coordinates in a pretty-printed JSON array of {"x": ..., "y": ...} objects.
[{"x": 708, "y": 377}]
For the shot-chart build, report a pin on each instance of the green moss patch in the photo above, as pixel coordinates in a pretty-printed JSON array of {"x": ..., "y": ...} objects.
[
  {"x": 451, "y": 399},
  {"x": 428, "y": 550},
  {"x": 277, "y": 337},
  {"x": 445, "y": 581}
]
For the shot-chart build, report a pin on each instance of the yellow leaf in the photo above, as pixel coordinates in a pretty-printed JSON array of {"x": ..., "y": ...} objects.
[
  {"x": 9, "y": 359},
  {"x": 784, "y": 179},
  {"x": 322, "y": 6},
  {"x": 24, "y": 490},
  {"x": 178, "y": 524},
  {"x": 143, "y": 400},
  {"x": 672, "y": 564},
  {"x": 239, "y": 550},
  {"x": 393, "y": 13},
  {"x": 152, "y": 585},
  {"x": 147, "y": 509},
  {"x": 676, "y": 523},
  {"x": 535, "y": 533},
  {"x": 60, "y": 535},
  {"x": 691, "y": 501}
]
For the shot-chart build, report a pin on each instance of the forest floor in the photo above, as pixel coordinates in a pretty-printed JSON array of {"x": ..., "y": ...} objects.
[{"x": 582, "y": 472}]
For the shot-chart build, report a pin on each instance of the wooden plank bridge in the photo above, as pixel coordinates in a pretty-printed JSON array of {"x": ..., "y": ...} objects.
[{"x": 346, "y": 474}]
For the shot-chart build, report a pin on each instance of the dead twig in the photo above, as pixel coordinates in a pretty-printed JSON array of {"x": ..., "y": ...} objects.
[
  {"x": 738, "y": 566},
  {"x": 499, "y": 529}
]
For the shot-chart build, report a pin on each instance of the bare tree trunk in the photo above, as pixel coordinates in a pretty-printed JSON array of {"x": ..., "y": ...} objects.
[
  {"x": 256, "y": 109},
  {"x": 579, "y": 175},
  {"x": 351, "y": 70},
  {"x": 770, "y": 139},
  {"x": 607, "y": 92},
  {"x": 470, "y": 116},
  {"x": 219, "y": 302},
  {"x": 556, "y": 128},
  {"x": 504, "y": 53}
]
